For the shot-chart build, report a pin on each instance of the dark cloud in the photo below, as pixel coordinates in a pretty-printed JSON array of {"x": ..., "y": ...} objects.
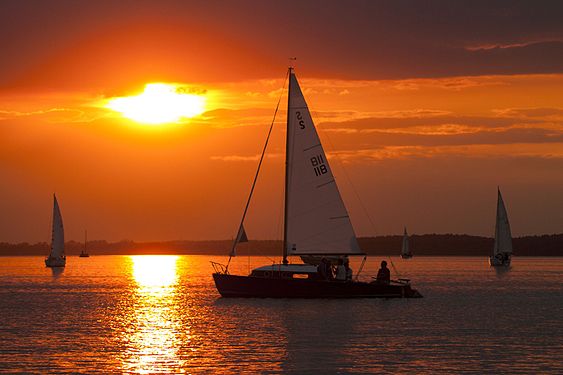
[
  {"x": 355, "y": 39},
  {"x": 446, "y": 130},
  {"x": 508, "y": 136}
]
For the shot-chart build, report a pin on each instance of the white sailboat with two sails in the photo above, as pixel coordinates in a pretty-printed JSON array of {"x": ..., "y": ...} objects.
[{"x": 316, "y": 224}]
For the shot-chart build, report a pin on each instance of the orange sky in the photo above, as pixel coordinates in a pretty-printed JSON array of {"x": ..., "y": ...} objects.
[{"x": 421, "y": 149}]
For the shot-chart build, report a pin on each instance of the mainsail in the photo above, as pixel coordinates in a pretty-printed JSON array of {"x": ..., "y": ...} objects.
[
  {"x": 58, "y": 236},
  {"x": 405, "y": 250},
  {"x": 503, "y": 237},
  {"x": 317, "y": 221}
]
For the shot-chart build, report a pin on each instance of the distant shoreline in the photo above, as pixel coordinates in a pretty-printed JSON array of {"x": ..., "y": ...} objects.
[{"x": 427, "y": 244}]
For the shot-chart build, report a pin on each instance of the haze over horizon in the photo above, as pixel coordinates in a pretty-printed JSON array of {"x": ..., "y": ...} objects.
[{"x": 424, "y": 110}]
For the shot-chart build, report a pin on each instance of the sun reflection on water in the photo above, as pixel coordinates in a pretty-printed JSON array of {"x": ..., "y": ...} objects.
[{"x": 155, "y": 327}]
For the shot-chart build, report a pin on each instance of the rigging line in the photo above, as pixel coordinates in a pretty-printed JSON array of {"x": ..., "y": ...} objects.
[
  {"x": 279, "y": 227},
  {"x": 340, "y": 164},
  {"x": 257, "y": 172}
]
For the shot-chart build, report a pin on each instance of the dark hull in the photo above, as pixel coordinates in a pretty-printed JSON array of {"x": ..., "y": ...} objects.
[
  {"x": 55, "y": 262},
  {"x": 262, "y": 287},
  {"x": 495, "y": 262}
]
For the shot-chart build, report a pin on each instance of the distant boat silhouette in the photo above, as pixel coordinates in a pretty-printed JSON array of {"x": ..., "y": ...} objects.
[
  {"x": 57, "y": 257},
  {"x": 316, "y": 223},
  {"x": 502, "y": 252},
  {"x": 406, "y": 252},
  {"x": 83, "y": 253}
]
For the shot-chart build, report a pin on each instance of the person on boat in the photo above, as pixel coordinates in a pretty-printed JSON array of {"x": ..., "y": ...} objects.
[
  {"x": 329, "y": 270},
  {"x": 324, "y": 269},
  {"x": 348, "y": 269},
  {"x": 321, "y": 270},
  {"x": 340, "y": 271},
  {"x": 383, "y": 275}
]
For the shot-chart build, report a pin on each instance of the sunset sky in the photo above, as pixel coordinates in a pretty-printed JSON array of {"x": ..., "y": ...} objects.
[{"x": 424, "y": 107}]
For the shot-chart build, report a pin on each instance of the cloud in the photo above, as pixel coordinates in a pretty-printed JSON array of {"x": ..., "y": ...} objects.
[
  {"x": 236, "y": 158},
  {"x": 512, "y": 151},
  {"x": 411, "y": 120},
  {"x": 53, "y": 115},
  {"x": 537, "y": 112},
  {"x": 507, "y": 45},
  {"x": 244, "y": 158}
]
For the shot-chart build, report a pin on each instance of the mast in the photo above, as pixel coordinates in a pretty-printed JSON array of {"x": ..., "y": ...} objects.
[{"x": 286, "y": 190}]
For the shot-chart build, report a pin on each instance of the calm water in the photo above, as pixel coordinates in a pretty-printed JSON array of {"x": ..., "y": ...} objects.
[{"x": 162, "y": 314}]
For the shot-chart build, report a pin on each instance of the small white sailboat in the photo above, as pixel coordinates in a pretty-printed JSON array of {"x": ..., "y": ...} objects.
[
  {"x": 405, "y": 249},
  {"x": 502, "y": 251},
  {"x": 57, "y": 257},
  {"x": 316, "y": 225},
  {"x": 84, "y": 253}
]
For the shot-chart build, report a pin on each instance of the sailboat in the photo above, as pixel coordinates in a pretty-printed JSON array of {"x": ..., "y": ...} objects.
[
  {"x": 316, "y": 224},
  {"x": 57, "y": 257},
  {"x": 83, "y": 253},
  {"x": 502, "y": 252},
  {"x": 405, "y": 249}
]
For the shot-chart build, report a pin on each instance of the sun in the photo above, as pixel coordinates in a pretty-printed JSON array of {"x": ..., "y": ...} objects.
[{"x": 159, "y": 103}]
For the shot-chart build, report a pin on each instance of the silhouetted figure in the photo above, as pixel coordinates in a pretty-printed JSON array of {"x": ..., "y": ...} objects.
[
  {"x": 321, "y": 270},
  {"x": 383, "y": 275},
  {"x": 324, "y": 269},
  {"x": 349, "y": 272},
  {"x": 340, "y": 271},
  {"x": 329, "y": 271}
]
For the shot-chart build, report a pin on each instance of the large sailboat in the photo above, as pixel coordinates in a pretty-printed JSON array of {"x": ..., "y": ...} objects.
[
  {"x": 316, "y": 225},
  {"x": 406, "y": 252},
  {"x": 57, "y": 257},
  {"x": 502, "y": 251}
]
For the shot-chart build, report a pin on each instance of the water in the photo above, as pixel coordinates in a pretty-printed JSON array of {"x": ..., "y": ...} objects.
[{"x": 162, "y": 314}]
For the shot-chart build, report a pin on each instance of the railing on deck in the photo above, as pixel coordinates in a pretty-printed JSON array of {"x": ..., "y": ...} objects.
[{"x": 220, "y": 268}]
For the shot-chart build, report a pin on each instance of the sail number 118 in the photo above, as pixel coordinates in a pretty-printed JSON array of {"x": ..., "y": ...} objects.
[{"x": 319, "y": 165}]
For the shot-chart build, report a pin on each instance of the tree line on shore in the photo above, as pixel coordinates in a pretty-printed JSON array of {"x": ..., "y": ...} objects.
[{"x": 426, "y": 244}]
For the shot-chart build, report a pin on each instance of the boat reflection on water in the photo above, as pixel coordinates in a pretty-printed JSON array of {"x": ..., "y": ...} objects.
[
  {"x": 57, "y": 271},
  {"x": 153, "y": 334},
  {"x": 502, "y": 271}
]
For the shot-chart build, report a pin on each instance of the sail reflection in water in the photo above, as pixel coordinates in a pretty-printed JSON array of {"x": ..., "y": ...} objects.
[{"x": 154, "y": 328}]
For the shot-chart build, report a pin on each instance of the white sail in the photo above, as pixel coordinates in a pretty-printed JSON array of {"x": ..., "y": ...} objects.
[
  {"x": 317, "y": 220},
  {"x": 503, "y": 237},
  {"x": 58, "y": 236},
  {"x": 405, "y": 250}
]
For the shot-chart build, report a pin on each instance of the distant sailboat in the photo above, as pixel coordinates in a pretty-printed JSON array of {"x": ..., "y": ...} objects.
[
  {"x": 405, "y": 250},
  {"x": 83, "y": 253},
  {"x": 502, "y": 251},
  {"x": 57, "y": 257},
  {"x": 316, "y": 224}
]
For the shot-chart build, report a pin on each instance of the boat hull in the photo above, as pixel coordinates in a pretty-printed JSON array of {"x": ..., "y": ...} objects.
[
  {"x": 263, "y": 287},
  {"x": 495, "y": 262},
  {"x": 55, "y": 262}
]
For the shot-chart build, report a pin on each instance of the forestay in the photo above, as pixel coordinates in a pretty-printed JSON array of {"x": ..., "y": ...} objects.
[
  {"x": 503, "y": 237},
  {"x": 317, "y": 220}
]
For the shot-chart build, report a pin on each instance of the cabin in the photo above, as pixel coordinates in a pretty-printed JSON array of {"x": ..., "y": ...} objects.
[{"x": 287, "y": 271}]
